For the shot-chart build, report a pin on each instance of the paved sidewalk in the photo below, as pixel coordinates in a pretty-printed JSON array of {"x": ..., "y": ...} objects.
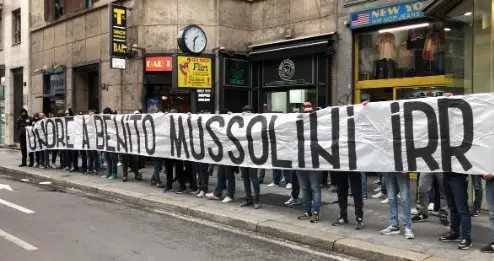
[{"x": 278, "y": 221}]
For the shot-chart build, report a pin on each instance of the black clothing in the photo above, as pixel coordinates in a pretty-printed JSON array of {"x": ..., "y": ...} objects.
[{"x": 342, "y": 179}]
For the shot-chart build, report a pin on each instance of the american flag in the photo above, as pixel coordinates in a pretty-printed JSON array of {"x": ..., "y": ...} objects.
[{"x": 361, "y": 19}]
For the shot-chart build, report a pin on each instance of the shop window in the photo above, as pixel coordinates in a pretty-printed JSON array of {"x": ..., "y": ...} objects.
[
  {"x": 289, "y": 101},
  {"x": 235, "y": 100},
  {"x": 16, "y": 26},
  {"x": 408, "y": 51}
]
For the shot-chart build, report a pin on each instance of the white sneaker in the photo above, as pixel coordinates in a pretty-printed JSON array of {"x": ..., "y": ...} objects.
[
  {"x": 292, "y": 202},
  {"x": 282, "y": 180},
  {"x": 378, "y": 189},
  {"x": 289, "y": 186},
  {"x": 119, "y": 164},
  {"x": 378, "y": 195},
  {"x": 414, "y": 211},
  {"x": 227, "y": 200},
  {"x": 398, "y": 196},
  {"x": 385, "y": 201},
  {"x": 212, "y": 196},
  {"x": 273, "y": 185},
  {"x": 409, "y": 233},
  {"x": 201, "y": 194},
  {"x": 431, "y": 207}
]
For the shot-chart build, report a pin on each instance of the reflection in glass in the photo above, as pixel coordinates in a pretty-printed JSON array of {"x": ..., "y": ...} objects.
[{"x": 290, "y": 101}]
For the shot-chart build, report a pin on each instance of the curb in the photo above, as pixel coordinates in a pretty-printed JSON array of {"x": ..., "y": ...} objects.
[{"x": 306, "y": 236}]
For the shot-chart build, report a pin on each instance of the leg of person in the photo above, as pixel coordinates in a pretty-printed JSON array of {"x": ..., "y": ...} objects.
[
  {"x": 169, "y": 165},
  {"x": 489, "y": 193},
  {"x": 218, "y": 191},
  {"x": 31, "y": 159},
  {"x": 341, "y": 180},
  {"x": 75, "y": 160},
  {"x": 157, "y": 163},
  {"x": 276, "y": 178},
  {"x": 460, "y": 188},
  {"x": 425, "y": 185},
  {"x": 204, "y": 179},
  {"x": 248, "y": 192},
  {"x": 394, "y": 228},
  {"x": 443, "y": 214},
  {"x": 108, "y": 162},
  {"x": 192, "y": 177},
  {"x": 436, "y": 197},
  {"x": 287, "y": 173},
  {"x": 364, "y": 185},
  {"x": 181, "y": 175},
  {"x": 315, "y": 179},
  {"x": 262, "y": 174},
  {"x": 42, "y": 158},
  {"x": 454, "y": 227},
  {"x": 230, "y": 177},
  {"x": 90, "y": 161},
  {"x": 54, "y": 157},
  {"x": 324, "y": 178},
  {"x": 256, "y": 185},
  {"x": 294, "y": 200},
  {"x": 477, "y": 188},
  {"x": 36, "y": 163},
  {"x": 403, "y": 181},
  {"x": 125, "y": 160},
  {"x": 135, "y": 163},
  {"x": 303, "y": 181},
  {"x": 23, "y": 143},
  {"x": 114, "y": 164},
  {"x": 358, "y": 199},
  {"x": 84, "y": 160}
]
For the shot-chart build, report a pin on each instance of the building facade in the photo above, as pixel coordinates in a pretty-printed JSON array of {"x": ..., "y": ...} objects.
[{"x": 14, "y": 70}]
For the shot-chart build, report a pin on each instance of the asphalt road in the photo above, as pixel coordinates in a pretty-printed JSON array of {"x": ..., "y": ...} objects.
[{"x": 37, "y": 224}]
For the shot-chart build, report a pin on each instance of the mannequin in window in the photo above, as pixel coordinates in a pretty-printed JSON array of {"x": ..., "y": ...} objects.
[
  {"x": 434, "y": 42},
  {"x": 404, "y": 60},
  {"x": 367, "y": 57},
  {"x": 416, "y": 41},
  {"x": 386, "y": 66}
]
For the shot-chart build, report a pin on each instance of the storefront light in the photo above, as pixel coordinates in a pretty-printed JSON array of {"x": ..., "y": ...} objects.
[
  {"x": 468, "y": 13},
  {"x": 447, "y": 29},
  {"x": 402, "y": 28}
]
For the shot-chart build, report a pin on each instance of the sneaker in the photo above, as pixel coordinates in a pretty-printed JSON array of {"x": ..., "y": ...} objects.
[
  {"x": 36, "y": 165},
  {"x": 124, "y": 179},
  {"x": 65, "y": 169},
  {"x": 167, "y": 190},
  {"x": 41, "y": 167},
  {"x": 289, "y": 186},
  {"x": 414, "y": 211},
  {"x": 488, "y": 249},
  {"x": 475, "y": 213},
  {"x": 444, "y": 220},
  {"x": 377, "y": 182},
  {"x": 180, "y": 191},
  {"x": 305, "y": 216},
  {"x": 23, "y": 165},
  {"x": 227, "y": 200},
  {"x": 378, "y": 189},
  {"x": 119, "y": 164},
  {"x": 340, "y": 222},
  {"x": 272, "y": 185},
  {"x": 409, "y": 233},
  {"x": 430, "y": 207},
  {"x": 113, "y": 176},
  {"x": 378, "y": 195},
  {"x": 257, "y": 205},
  {"x": 420, "y": 218},
  {"x": 201, "y": 194},
  {"x": 465, "y": 243},
  {"x": 359, "y": 225},
  {"x": 315, "y": 217},
  {"x": 385, "y": 201},
  {"x": 212, "y": 196},
  {"x": 292, "y": 201},
  {"x": 246, "y": 203},
  {"x": 390, "y": 231},
  {"x": 364, "y": 197},
  {"x": 448, "y": 237},
  {"x": 282, "y": 180},
  {"x": 194, "y": 191}
]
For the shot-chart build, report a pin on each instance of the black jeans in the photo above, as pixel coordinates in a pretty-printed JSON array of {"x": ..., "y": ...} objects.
[
  {"x": 72, "y": 159},
  {"x": 92, "y": 159},
  {"x": 54, "y": 157},
  {"x": 342, "y": 180},
  {"x": 22, "y": 140},
  {"x": 295, "y": 187},
  {"x": 455, "y": 190},
  {"x": 129, "y": 161},
  {"x": 188, "y": 174},
  {"x": 202, "y": 169},
  {"x": 170, "y": 165},
  {"x": 83, "y": 159},
  {"x": 225, "y": 173}
]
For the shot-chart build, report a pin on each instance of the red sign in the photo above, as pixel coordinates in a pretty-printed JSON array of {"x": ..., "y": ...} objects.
[{"x": 159, "y": 64}]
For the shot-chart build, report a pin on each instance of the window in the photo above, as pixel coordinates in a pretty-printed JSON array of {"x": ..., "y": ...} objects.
[{"x": 16, "y": 26}]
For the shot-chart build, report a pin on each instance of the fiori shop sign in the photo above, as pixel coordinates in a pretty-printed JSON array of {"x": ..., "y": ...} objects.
[
  {"x": 387, "y": 14},
  {"x": 193, "y": 72}
]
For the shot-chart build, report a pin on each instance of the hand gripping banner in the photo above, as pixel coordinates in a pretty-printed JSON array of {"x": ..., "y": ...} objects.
[{"x": 427, "y": 135}]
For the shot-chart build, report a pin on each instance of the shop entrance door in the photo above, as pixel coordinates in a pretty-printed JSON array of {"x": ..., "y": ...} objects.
[{"x": 289, "y": 101}]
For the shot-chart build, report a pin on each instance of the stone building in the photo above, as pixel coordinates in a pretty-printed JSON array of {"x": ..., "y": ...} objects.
[
  {"x": 14, "y": 66},
  {"x": 71, "y": 64}
]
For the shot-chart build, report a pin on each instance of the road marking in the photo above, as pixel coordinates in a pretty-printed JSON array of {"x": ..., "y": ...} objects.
[
  {"x": 17, "y": 241},
  {"x": 6, "y": 187},
  {"x": 12, "y": 205}
]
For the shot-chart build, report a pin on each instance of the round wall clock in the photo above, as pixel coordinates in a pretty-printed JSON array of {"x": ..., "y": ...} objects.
[{"x": 192, "y": 39}]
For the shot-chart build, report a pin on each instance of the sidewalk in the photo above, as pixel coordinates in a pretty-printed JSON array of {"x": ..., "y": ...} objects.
[{"x": 276, "y": 220}]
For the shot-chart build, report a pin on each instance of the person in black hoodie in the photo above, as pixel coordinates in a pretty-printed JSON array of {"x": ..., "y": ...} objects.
[
  {"x": 111, "y": 158},
  {"x": 34, "y": 156},
  {"x": 22, "y": 122},
  {"x": 71, "y": 156}
]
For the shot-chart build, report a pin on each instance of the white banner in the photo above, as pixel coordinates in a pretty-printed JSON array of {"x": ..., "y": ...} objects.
[{"x": 426, "y": 135}]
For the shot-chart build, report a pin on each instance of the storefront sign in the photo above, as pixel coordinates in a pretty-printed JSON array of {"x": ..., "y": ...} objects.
[
  {"x": 204, "y": 100},
  {"x": 118, "y": 36},
  {"x": 193, "y": 72},
  {"x": 57, "y": 84},
  {"x": 236, "y": 72},
  {"x": 159, "y": 64},
  {"x": 387, "y": 14},
  {"x": 289, "y": 71}
]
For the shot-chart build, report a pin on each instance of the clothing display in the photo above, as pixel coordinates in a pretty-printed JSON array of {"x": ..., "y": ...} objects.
[
  {"x": 386, "y": 44},
  {"x": 405, "y": 58}
]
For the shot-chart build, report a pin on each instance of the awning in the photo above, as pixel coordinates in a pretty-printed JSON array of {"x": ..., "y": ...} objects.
[
  {"x": 292, "y": 47},
  {"x": 438, "y": 9}
]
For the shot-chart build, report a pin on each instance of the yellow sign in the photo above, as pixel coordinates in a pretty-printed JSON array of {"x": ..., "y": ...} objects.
[{"x": 194, "y": 72}]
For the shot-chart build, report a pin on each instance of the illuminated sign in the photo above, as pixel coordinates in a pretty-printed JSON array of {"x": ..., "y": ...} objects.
[
  {"x": 118, "y": 34},
  {"x": 387, "y": 14},
  {"x": 159, "y": 64},
  {"x": 194, "y": 72}
]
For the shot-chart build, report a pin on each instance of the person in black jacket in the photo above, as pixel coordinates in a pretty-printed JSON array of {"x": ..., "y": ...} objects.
[
  {"x": 23, "y": 122},
  {"x": 34, "y": 156}
]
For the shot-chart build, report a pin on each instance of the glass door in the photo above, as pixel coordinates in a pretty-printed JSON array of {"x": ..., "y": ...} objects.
[{"x": 289, "y": 101}]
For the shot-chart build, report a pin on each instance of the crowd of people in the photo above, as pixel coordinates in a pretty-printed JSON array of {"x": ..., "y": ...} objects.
[{"x": 439, "y": 193}]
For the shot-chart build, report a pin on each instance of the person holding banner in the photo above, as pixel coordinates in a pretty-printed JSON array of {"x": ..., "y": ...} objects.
[
  {"x": 22, "y": 122},
  {"x": 71, "y": 156},
  {"x": 111, "y": 158},
  {"x": 343, "y": 180},
  {"x": 489, "y": 193}
]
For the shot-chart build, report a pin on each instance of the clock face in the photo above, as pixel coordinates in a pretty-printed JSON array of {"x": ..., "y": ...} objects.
[{"x": 195, "y": 39}]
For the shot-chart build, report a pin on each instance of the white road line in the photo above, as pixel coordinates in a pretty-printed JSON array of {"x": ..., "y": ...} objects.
[
  {"x": 12, "y": 205},
  {"x": 17, "y": 241}
]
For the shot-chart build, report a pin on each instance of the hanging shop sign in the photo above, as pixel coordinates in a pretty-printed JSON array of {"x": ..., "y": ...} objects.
[
  {"x": 118, "y": 36},
  {"x": 387, "y": 14},
  {"x": 193, "y": 72},
  {"x": 289, "y": 71},
  {"x": 159, "y": 64},
  {"x": 236, "y": 72}
]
